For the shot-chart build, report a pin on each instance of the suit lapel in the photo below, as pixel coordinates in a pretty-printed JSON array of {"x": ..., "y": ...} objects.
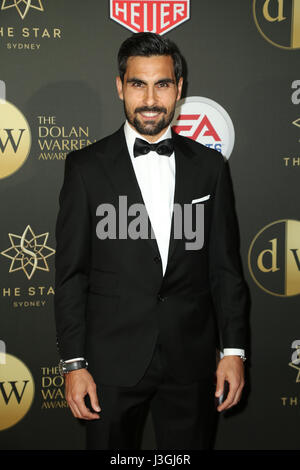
[
  {"x": 184, "y": 177},
  {"x": 117, "y": 163},
  {"x": 120, "y": 171}
]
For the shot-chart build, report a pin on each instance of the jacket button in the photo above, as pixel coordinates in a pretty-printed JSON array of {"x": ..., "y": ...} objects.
[
  {"x": 157, "y": 259},
  {"x": 160, "y": 298}
]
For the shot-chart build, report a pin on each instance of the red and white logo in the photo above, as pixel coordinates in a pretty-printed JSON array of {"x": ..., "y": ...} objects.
[
  {"x": 205, "y": 121},
  {"x": 155, "y": 16}
]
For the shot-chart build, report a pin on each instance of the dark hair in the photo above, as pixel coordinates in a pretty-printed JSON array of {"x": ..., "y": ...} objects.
[{"x": 146, "y": 45}]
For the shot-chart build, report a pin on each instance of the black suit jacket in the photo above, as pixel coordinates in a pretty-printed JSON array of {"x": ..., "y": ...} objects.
[{"x": 111, "y": 299}]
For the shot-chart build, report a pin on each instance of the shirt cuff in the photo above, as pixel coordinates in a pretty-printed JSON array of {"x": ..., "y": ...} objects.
[
  {"x": 76, "y": 359},
  {"x": 232, "y": 352}
]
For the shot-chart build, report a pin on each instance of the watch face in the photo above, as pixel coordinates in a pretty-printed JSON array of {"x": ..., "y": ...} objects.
[{"x": 61, "y": 368}]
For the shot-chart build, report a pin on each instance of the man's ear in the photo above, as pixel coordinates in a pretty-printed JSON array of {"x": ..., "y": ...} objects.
[
  {"x": 179, "y": 88},
  {"x": 119, "y": 88}
]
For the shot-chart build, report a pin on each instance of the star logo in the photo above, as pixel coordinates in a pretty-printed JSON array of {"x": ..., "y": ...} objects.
[
  {"x": 296, "y": 365},
  {"x": 28, "y": 252},
  {"x": 22, "y": 6}
]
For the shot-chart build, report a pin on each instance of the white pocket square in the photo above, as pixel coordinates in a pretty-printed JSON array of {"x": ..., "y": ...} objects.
[{"x": 201, "y": 199}]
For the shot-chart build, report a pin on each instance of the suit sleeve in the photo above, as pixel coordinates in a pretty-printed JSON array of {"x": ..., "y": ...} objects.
[
  {"x": 229, "y": 289},
  {"x": 71, "y": 262}
]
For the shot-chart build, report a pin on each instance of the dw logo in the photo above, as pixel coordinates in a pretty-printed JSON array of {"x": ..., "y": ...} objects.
[
  {"x": 15, "y": 136},
  {"x": 16, "y": 390},
  {"x": 278, "y": 22},
  {"x": 274, "y": 258}
]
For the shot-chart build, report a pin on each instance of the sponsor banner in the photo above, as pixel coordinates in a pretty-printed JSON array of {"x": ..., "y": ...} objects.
[
  {"x": 278, "y": 21},
  {"x": 273, "y": 258},
  {"x": 16, "y": 390},
  {"x": 205, "y": 121},
  {"x": 156, "y": 16}
]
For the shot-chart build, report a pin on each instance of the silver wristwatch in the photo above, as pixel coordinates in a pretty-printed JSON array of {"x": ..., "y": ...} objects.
[
  {"x": 242, "y": 356},
  {"x": 66, "y": 367}
]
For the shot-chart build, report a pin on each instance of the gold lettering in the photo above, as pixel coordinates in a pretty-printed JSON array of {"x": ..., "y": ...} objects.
[
  {"x": 6, "y": 291},
  {"x": 50, "y": 291},
  {"x": 293, "y": 401},
  {"x": 45, "y": 34},
  {"x": 273, "y": 253},
  {"x": 57, "y": 33},
  {"x": 296, "y": 161},
  {"x": 267, "y": 15},
  {"x": 296, "y": 25},
  {"x": 31, "y": 290},
  {"x": 25, "y": 33}
]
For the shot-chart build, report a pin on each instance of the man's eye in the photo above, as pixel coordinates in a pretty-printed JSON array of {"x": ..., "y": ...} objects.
[
  {"x": 137, "y": 84},
  {"x": 163, "y": 84}
]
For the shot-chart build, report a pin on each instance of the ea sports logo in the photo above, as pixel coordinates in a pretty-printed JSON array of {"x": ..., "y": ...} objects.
[
  {"x": 15, "y": 137},
  {"x": 274, "y": 258},
  {"x": 16, "y": 391},
  {"x": 205, "y": 121}
]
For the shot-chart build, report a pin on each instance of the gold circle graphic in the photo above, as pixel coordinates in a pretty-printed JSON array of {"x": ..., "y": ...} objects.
[
  {"x": 250, "y": 252},
  {"x": 15, "y": 137},
  {"x": 16, "y": 391},
  {"x": 288, "y": 48}
]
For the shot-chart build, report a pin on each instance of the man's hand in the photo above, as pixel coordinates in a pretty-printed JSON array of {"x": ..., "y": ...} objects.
[
  {"x": 231, "y": 369},
  {"x": 79, "y": 383}
]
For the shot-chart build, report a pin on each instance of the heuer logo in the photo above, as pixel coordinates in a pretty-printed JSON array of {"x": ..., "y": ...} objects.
[{"x": 155, "y": 16}]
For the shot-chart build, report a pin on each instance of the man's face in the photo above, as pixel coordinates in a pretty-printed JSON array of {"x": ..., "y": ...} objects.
[{"x": 150, "y": 94}]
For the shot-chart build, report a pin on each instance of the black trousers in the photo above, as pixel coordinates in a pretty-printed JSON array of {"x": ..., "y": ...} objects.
[{"x": 183, "y": 415}]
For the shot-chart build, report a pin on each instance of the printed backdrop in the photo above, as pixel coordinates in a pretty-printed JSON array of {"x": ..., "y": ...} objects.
[{"x": 242, "y": 97}]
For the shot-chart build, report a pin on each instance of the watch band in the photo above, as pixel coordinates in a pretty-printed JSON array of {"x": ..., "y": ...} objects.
[
  {"x": 242, "y": 356},
  {"x": 66, "y": 367}
]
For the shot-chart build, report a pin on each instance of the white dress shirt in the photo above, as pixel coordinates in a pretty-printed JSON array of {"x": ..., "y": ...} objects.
[{"x": 156, "y": 178}]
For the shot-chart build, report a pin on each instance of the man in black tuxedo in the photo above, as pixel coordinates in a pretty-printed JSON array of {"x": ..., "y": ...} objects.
[{"x": 147, "y": 309}]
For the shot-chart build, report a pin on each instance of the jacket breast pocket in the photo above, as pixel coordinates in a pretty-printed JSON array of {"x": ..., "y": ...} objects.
[{"x": 104, "y": 282}]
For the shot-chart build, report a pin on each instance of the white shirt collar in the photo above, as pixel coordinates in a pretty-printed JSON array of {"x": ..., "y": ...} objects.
[{"x": 131, "y": 134}]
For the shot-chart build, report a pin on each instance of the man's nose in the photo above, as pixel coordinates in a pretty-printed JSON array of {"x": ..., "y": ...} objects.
[{"x": 150, "y": 96}]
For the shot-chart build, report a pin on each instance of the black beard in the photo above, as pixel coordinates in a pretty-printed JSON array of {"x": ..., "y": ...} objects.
[{"x": 155, "y": 128}]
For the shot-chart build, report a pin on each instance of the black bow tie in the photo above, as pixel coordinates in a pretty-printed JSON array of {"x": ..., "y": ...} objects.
[{"x": 142, "y": 147}]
